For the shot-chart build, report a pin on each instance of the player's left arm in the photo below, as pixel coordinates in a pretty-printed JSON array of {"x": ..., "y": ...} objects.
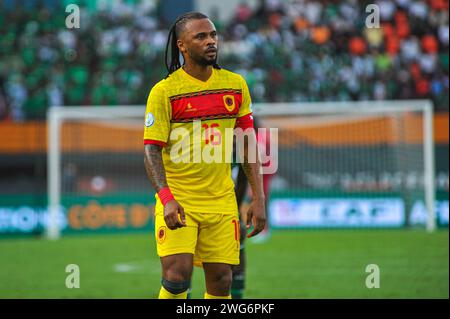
[
  {"x": 241, "y": 186},
  {"x": 256, "y": 214},
  {"x": 251, "y": 165}
]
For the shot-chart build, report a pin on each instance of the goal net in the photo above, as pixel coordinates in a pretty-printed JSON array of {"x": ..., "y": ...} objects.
[
  {"x": 96, "y": 176},
  {"x": 344, "y": 164},
  {"x": 352, "y": 164}
]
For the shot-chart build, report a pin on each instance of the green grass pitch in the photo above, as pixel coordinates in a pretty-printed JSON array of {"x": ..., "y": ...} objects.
[{"x": 292, "y": 264}]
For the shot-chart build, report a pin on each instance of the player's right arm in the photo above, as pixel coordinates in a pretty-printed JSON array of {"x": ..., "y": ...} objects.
[
  {"x": 156, "y": 133},
  {"x": 157, "y": 175}
]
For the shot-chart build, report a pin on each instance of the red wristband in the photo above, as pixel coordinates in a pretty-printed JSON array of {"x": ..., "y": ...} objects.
[{"x": 165, "y": 195}]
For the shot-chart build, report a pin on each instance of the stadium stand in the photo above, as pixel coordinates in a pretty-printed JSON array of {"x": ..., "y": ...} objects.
[{"x": 116, "y": 56}]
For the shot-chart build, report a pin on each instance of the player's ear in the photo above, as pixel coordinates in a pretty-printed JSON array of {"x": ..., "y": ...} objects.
[{"x": 181, "y": 46}]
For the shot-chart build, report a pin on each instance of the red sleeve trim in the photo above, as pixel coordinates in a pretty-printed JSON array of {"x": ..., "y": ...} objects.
[
  {"x": 245, "y": 122},
  {"x": 155, "y": 142}
]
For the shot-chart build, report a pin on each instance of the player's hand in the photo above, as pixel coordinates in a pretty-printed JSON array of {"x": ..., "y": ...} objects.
[
  {"x": 171, "y": 211},
  {"x": 256, "y": 215}
]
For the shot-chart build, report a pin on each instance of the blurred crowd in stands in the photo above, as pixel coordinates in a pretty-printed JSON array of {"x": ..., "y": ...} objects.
[{"x": 288, "y": 51}]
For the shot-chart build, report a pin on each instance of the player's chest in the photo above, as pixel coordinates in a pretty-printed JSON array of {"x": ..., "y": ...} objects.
[{"x": 205, "y": 104}]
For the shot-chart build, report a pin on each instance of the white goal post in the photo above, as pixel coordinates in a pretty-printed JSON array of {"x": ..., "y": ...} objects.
[{"x": 57, "y": 116}]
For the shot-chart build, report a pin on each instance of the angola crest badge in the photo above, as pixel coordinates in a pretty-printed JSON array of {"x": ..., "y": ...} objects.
[
  {"x": 161, "y": 236},
  {"x": 228, "y": 101}
]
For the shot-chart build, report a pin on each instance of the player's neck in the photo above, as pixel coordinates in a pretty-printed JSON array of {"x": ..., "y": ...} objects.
[{"x": 200, "y": 72}]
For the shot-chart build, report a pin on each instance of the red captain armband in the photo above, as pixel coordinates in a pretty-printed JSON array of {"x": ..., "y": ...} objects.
[
  {"x": 165, "y": 195},
  {"x": 154, "y": 142},
  {"x": 245, "y": 122}
]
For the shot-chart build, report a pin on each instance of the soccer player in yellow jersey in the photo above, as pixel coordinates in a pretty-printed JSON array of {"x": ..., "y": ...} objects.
[{"x": 189, "y": 115}]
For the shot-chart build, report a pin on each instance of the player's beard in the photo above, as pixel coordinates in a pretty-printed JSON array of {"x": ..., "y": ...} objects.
[{"x": 201, "y": 60}]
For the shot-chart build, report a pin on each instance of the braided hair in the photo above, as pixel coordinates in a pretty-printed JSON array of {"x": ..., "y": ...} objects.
[{"x": 172, "y": 39}]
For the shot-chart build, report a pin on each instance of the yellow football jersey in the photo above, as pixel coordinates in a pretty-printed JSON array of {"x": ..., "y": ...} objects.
[{"x": 193, "y": 120}]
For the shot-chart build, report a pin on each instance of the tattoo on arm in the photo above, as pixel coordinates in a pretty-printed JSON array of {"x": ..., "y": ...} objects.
[{"x": 154, "y": 166}]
